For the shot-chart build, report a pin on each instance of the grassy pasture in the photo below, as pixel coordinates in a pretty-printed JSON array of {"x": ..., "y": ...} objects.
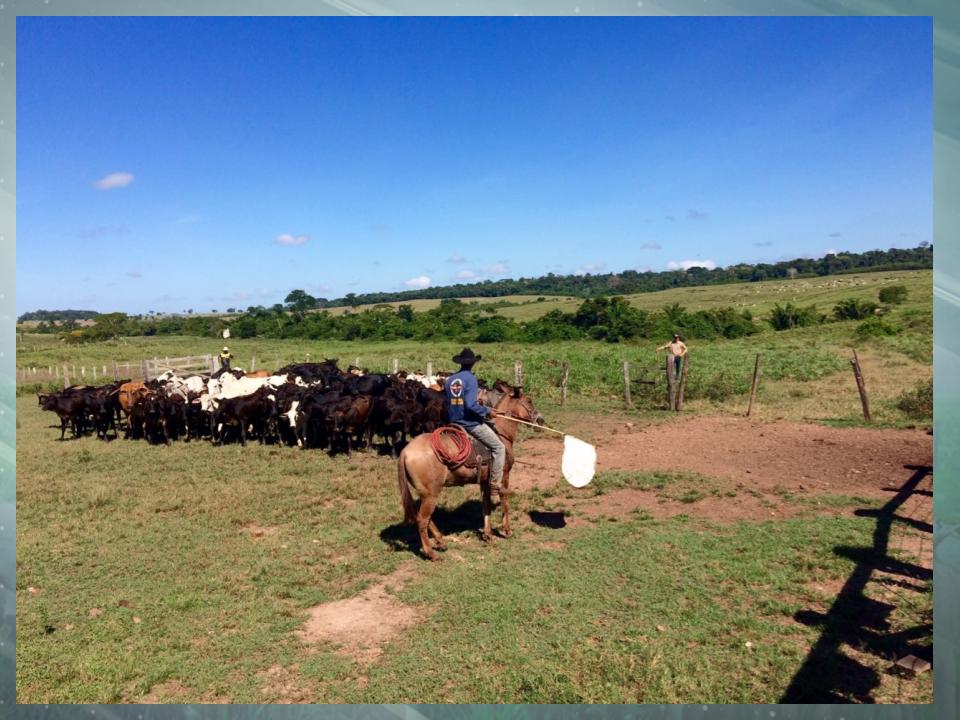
[{"x": 183, "y": 572}]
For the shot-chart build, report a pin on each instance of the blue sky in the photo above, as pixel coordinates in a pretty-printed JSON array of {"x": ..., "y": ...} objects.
[{"x": 174, "y": 163}]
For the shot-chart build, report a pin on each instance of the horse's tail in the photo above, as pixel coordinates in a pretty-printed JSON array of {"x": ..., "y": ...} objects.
[{"x": 409, "y": 506}]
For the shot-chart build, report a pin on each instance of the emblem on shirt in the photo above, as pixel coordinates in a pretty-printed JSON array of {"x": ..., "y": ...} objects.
[{"x": 456, "y": 388}]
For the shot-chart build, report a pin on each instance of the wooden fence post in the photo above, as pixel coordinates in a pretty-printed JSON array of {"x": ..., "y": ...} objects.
[
  {"x": 396, "y": 365},
  {"x": 626, "y": 384},
  {"x": 518, "y": 373},
  {"x": 104, "y": 371},
  {"x": 683, "y": 382},
  {"x": 94, "y": 372},
  {"x": 66, "y": 377},
  {"x": 429, "y": 369},
  {"x": 671, "y": 383},
  {"x": 861, "y": 387},
  {"x": 143, "y": 369},
  {"x": 356, "y": 362},
  {"x": 753, "y": 386},
  {"x": 56, "y": 372},
  {"x": 563, "y": 382},
  {"x": 253, "y": 363}
]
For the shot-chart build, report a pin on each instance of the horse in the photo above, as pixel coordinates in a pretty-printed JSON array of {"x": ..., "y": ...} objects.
[{"x": 418, "y": 467}]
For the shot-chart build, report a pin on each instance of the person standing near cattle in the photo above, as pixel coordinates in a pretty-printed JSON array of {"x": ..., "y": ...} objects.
[
  {"x": 225, "y": 357},
  {"x": 463, "y": 409},
  {"x": 677, "y": 350}
]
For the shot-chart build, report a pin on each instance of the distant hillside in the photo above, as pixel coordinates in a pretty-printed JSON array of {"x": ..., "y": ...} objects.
[
  {"x": 631, "y": 281},
  {"x": 57, "y": 315}
]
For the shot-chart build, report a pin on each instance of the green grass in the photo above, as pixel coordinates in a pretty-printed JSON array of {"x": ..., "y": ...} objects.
[{"x": 219, "y": 551}]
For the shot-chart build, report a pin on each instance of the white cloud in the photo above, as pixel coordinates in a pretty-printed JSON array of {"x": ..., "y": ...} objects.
[
  {"x": 466, "y": 275},
  {"x": 421, "y": 281},
  {"x": 456, "y": 259},
  {"x": 498, "y": 268},
  {"x": 291, "y": 240},
  {"x": 831, "y": 251},
  {"x": 590, "y": 268},
  {"x": 651, "y": 246},
  {"x": 114, "y": 180},
  {"x": 687, "y": 264}
]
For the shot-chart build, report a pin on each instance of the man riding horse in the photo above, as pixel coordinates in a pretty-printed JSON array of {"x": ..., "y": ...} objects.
[{"x": 465, "y": 410}]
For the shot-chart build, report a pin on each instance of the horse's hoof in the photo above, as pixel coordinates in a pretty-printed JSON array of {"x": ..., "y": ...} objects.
[
  {"x": 505, "y": 533},
  {"x": 433, "y": 557},
  {"x": 486, "y": 537}
]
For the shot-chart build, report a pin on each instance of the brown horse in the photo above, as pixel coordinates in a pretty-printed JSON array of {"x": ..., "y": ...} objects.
[{"x": 420, "y": 468}]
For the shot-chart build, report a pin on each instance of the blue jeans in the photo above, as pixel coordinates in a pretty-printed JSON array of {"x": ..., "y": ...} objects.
[{"x": 488, "y": 437}]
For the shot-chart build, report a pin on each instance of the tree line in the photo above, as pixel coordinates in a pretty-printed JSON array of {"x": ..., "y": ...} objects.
[{"x": 633, "y": 281}]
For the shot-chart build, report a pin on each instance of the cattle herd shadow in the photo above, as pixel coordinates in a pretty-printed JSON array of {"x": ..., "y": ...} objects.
[
  {"x": 466, "y": 517},
  {"x": 828, "y": 675}
]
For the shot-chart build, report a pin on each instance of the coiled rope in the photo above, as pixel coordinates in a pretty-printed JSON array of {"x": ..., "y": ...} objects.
[{"x": 461, "y": 442}]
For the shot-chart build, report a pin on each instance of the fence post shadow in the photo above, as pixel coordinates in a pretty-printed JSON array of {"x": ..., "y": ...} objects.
[{"x": 827, "y": 675}]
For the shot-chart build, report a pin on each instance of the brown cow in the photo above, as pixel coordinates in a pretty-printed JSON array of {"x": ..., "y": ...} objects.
[
  {"x": 258, "y": 373},
  {"x": 130, "y": 393}
]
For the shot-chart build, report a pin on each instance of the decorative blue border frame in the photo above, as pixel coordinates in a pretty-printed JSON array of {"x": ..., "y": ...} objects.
[{"x": 946, "y": 142}]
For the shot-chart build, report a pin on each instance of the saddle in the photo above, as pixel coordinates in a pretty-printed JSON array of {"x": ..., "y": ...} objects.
[{"x": 455, "y": 447}]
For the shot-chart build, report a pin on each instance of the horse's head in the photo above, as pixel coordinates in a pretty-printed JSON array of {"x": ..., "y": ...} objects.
[{"x": 517, "y": 404}]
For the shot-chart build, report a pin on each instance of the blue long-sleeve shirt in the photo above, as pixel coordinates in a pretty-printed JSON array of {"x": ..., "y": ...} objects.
[{"x": 462, "y": 406}]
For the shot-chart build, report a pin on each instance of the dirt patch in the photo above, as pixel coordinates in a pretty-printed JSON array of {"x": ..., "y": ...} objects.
[
  {"x": 259, "y": 531},
  {"x": 282, "y": 686},
  {"x": 761, "y": 456},
  {"x": 171, "y": 691},
  {"x": 620, "y": 503},
  {"x": 362, "y": 625}
]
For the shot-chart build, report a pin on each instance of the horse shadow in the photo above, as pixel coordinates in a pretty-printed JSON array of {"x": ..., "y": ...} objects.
[
  {"x": 828, "y": 674},
  {"x": 466, "y": 517}
]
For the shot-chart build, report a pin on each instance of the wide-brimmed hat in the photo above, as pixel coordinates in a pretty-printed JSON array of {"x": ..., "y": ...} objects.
[{"x": 466, "y": 357}]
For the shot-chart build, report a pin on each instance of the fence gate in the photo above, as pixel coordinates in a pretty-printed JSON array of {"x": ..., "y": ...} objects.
[{"x": 188, "y": 365}]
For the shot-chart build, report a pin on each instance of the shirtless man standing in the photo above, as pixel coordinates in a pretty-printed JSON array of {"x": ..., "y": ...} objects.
[{"x": 677, "y": 351}]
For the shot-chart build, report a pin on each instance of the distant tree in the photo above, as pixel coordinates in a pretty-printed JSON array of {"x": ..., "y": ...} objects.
[
  {"x": 300, "y": 300},
  {"x": 854, "y": 309},
  {"x": 893, "y": 295}
]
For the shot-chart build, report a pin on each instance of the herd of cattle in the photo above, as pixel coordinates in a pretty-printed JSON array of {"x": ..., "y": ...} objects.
[{"x": 306, "y": 405}]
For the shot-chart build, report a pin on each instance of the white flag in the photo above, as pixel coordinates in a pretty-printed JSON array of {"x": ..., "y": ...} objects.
[{"x": 579, "y": 461}]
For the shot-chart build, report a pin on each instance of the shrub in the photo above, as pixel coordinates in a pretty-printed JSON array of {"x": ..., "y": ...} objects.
[
  {"x": 893, "y": 295},
  {"x": 878, "y": 327},
  {"x": 854, "y": 309},
  {"x": 791, "y": 316},
  {"x": 917, "y": 403}
]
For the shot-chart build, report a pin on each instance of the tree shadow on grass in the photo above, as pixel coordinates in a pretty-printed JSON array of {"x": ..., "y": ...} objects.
[{"x": 830, "y": 676}]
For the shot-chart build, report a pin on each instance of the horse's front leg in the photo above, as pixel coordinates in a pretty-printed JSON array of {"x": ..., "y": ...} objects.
[{"x": 486, "y": 534}]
